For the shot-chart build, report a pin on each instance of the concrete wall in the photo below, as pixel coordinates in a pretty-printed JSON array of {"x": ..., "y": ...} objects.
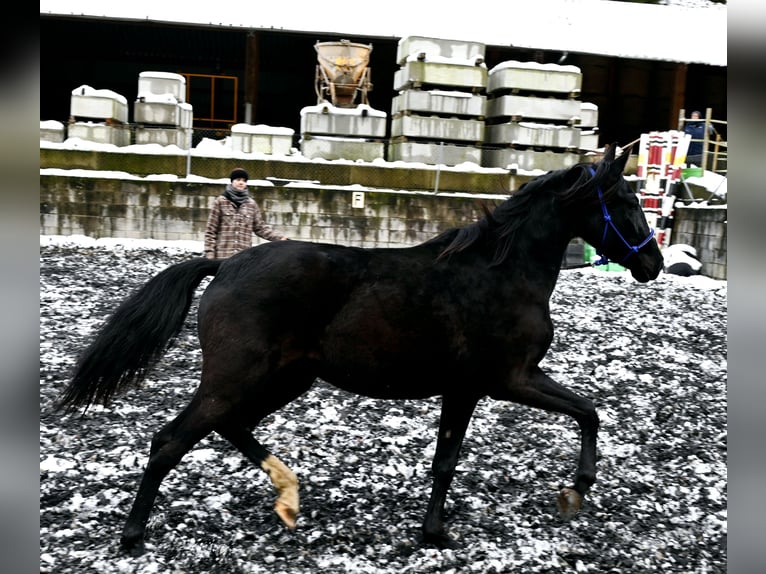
[
  {"x": 151, "y": 209},
  {"x": 101, "y": 207},
  {"x": 704, "y": 228}
]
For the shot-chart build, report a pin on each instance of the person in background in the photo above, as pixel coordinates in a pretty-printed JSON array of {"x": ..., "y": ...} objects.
[
  {"x": 695, "y": 127},
  {"x": 233, "y": 220}
]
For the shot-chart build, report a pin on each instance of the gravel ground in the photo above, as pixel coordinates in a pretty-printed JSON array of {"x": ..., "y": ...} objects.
[{"x": 652, "y": 357}]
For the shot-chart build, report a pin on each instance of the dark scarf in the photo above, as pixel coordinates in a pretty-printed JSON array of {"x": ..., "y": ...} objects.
[{"x": 235, "y": 196}]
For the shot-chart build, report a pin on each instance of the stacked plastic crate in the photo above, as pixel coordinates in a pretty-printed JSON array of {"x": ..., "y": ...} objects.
[
  {"x": 160, "y": 112},
  {"x": 342, "y": 125},
  {"x": 534, "y": 116},
  {"x": 52, "y": 131},
  {"x": 331, "y": 132},
  {"x": 588, "y": 127},
  {"x": 247, "y": 138},
  {"x": 99, "y": 116},
  {"x": 438, "y": 116}
]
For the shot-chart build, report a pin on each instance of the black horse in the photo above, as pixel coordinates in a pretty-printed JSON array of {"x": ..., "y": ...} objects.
[{"x": 464, "y": 315}]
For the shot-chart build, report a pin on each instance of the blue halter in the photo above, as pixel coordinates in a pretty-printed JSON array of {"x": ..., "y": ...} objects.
[{"x": 607, "y": 224}]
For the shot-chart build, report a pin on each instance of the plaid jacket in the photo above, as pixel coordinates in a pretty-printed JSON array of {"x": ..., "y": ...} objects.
[{"x": 230, "y": 230}]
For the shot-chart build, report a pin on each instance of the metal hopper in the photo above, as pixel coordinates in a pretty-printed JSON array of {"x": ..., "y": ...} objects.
[{"x": 342, "y": 74}]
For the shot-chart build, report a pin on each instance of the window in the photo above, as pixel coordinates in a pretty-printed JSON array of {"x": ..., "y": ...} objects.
[{"x": 213, "y": 99}]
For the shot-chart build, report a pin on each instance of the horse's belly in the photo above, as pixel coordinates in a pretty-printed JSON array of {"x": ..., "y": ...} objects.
[{"x": 386, "y": 383}]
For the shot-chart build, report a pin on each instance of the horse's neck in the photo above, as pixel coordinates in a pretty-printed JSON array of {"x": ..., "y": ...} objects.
[
  {"x": 538, "y": 250},
  {"x": 542, "y": 241}
]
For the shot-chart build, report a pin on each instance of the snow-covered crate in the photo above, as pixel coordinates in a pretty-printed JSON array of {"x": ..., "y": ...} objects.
[
  {"x": 534, "y": 77},
  {"x": 434, "y": 128},
  {"x": 118, "y": 135},
  {"x": 433, "y": 153},
  {"x": 52, "y": 131},
  {"x": 421, "y": 47},
  {"x": 329, "y": 147},
  {"x": 440, "y": 102},
  {"x": 415, "y": 74},
  {"x": 181, "y": 137},
  {"x": 158, "y": 83},
  {"x": 106, "y": 105},
  {"x": 533, "y": 107},
  {"x": 532, "y": 134},
  {"x": 326, "y": 119},
  {"x": 261, "y": 138},
  {"x": 589, "y": 140},
  {"x": 150, "y": 109},
  {"x": 588, "y": 115},
  {"x": 529, "y": 160}
]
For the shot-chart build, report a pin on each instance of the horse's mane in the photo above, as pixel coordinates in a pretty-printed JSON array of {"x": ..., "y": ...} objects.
[{"x": 569, "y": 186}]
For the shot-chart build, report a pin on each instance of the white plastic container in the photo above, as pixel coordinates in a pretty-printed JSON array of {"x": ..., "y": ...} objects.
[
  {"x": 588, "y": 115},
  {"x": 533, "y": 107},
  {"x": 164, "y": 113},
  {"x": 326, "y": 119},
  {"x": 531, "y": 76},
  {"x": 529, "y": 160},
  {"x": 52, "y": 131},
  {"x": 159, "y": 83},
  {"x": 433, "y": 153},
  {"x": 435, "y": 128},
  {"x": 87, "y": 102},
  {"x": 118, "y": 135},
  {"x": 532, "y": 134},
  {"x": 261, "y": 138},
  {"x": 440, "y": 74},
  {"x": 440, "y": 102},
  {"x": 328, "y": 147},
  {"x": 432, "y": 48},
  {"x": 181, "y": 137}
]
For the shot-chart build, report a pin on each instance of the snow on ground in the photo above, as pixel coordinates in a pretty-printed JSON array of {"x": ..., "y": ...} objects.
[{"x": 652, "y": 357}]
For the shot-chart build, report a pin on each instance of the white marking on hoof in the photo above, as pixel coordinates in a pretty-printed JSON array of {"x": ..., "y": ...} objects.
[
  {"x": 568, "y": 503},
  {"x": 286, "y": 483}
]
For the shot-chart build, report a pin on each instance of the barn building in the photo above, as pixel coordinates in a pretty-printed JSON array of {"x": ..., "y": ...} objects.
[{"x": 641, "y": 64}]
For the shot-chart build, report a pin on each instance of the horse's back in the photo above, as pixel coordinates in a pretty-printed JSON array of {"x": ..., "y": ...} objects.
[{"x": 361, "y": 316}]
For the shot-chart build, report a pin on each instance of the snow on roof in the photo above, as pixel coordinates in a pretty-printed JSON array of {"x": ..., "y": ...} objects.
[{"x": 689, "y": 31}]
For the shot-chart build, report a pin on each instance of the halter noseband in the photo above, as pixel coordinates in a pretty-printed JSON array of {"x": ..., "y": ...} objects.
[{"x": 609, "y": 223}]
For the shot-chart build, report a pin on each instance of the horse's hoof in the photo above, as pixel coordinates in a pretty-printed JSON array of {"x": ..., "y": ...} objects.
[
  {"x": 568, "y": 502},
  {"x": 441, "y": 540},
  {"x": 132, "y": 546},
  {"x": 288, "y": 515}
]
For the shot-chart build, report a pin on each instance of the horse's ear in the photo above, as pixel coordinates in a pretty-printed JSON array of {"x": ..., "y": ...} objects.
[
  {"x": 622, "y": 161},
  {"x": 609, "y": 154}
]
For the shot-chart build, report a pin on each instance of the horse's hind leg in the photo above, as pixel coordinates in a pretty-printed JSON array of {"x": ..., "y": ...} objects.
[
  {"x": 455, "y": 415},
  {"x": 169, "y": 445},
  {"x": 269, "y": 394},
  {"x": 284, "y": 479},
  {"x": 539, "y": 390}
]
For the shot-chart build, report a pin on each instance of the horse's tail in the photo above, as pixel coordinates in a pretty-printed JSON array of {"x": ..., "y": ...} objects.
[{"x": 136, "y": 335}]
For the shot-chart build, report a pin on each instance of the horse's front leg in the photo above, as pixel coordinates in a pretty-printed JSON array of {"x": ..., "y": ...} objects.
[
  {"x": 455, "y": 416},
  {"x": 538, "y": 390},
  {"x": 569, "y": 500}
]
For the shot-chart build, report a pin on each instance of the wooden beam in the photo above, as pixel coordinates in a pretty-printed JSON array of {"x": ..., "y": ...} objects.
[
  {"x": 252, "y": 76},
  {"x": 678, "y": 97}
]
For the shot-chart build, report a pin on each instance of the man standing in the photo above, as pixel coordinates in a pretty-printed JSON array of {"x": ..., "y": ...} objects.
[
  {"x": 233, "y": 220},
  {"x": 695, "y": 127}
]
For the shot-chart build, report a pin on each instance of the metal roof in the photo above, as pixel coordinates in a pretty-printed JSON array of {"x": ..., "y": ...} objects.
[{"x": 675, "y": 33}]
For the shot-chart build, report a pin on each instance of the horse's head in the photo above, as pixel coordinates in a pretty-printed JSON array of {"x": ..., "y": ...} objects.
[{"x": 615, "y": 224}]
